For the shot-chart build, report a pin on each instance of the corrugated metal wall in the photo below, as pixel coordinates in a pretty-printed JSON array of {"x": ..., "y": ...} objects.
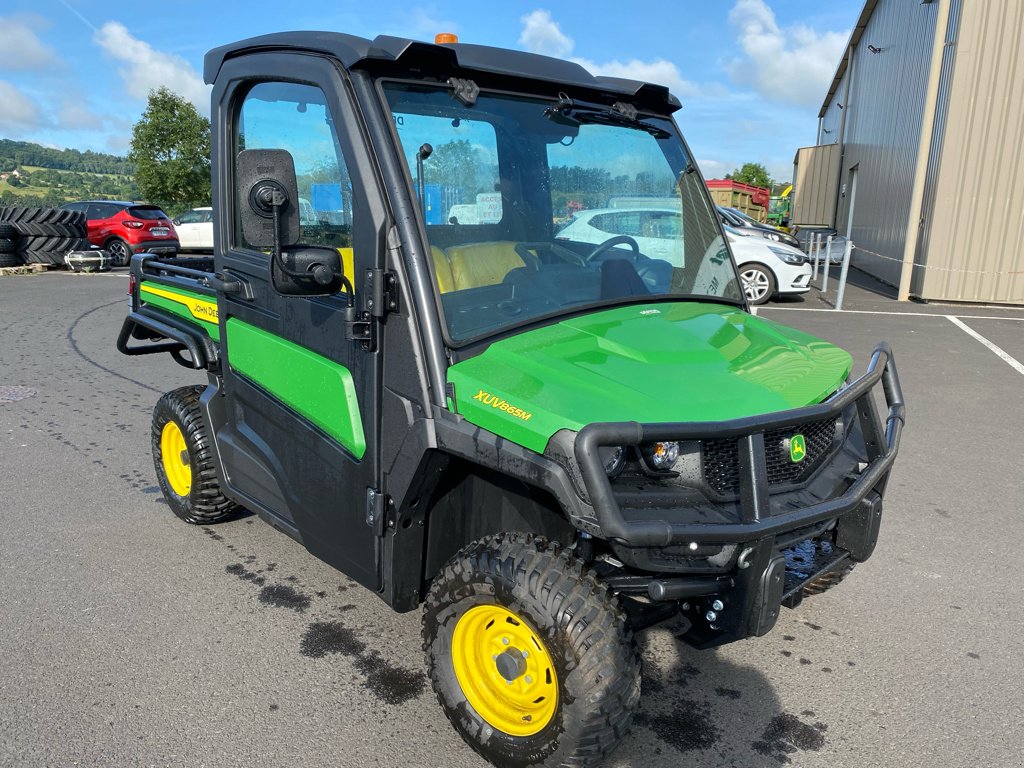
[
  {"x": 815, "y": 185},
  {"x": 883, "y": 126},
  {"x": 975, "y": 232}
]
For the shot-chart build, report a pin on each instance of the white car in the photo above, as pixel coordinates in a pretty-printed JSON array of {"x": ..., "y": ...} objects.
[
  {"x": 766, "y": 268},
  {"x": 195, "y": 229}
]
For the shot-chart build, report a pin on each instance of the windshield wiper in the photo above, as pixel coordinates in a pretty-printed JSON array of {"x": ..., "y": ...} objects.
[{"x": 565, "y": 110}]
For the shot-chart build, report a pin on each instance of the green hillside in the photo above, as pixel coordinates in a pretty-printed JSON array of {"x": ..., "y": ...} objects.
[{"x": 31, "y": 174}]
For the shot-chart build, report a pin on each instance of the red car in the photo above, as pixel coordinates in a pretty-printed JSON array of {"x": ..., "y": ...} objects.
[{"x": 126, "y": 228}]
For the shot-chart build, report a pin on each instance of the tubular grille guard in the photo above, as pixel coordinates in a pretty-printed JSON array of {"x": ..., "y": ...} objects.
[{"x": 749, "y": 436}]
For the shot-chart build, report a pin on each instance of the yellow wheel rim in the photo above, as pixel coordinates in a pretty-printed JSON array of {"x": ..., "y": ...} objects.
[
  {"x": 504, "y": 670},
  {"x": 174, "y": 457}
]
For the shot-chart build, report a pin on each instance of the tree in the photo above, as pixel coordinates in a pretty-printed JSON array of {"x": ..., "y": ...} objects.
[
  {"x": 752, "y": 173},
  {"x": 170, "y": 149}
]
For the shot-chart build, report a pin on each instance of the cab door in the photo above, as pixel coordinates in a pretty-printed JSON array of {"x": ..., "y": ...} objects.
[{"x": 300, "y": 438}]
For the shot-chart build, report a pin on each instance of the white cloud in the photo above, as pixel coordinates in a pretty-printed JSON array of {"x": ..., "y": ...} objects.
[
  {"x": 76, "y": 116},
  {"x": 792, "y": 65},
  {"x": 147, "y": 69},
  {"x": 714, "y": 169},
  {"x": 541, "y": 34},
  {"x": 19, "y": 113},
  {"x": 422, "y": 25},
  {"x": 21, "y": 49}
]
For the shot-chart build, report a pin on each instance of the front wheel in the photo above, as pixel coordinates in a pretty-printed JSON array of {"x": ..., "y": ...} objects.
[
  {"x": 529, "y": 654},
  {"x": 758, "y": 283}
]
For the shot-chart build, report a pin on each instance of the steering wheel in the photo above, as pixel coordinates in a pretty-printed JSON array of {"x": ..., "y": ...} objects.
[
  {"x": 610, "y": 243},
  {"x": 526, "y": 252}
]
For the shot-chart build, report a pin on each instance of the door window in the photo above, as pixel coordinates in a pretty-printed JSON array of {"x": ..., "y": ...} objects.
[{"x": 295, "y": 118}]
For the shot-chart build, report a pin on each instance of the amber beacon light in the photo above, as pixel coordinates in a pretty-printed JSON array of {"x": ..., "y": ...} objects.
[{"x": 442, "y": 38}]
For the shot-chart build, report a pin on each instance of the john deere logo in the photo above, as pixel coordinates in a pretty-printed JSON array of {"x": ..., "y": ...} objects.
[{"x": 797, "y": 448}]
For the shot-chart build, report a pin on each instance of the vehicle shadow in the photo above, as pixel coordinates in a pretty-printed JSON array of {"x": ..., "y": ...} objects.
[{"x": 702, "y": 707}]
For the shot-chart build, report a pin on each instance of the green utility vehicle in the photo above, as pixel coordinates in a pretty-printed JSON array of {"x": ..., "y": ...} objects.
[{"x": 549, "y": 444}]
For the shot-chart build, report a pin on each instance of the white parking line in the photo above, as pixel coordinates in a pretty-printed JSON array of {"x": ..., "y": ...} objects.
[
  {"x": 1012, "y": 362},
  {"x": 894, "y": 314}
]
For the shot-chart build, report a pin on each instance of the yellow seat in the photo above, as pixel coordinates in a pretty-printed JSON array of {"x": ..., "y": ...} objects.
[
  {"x": 442, "y": 270},
  {"x": 478, "y": 264}
]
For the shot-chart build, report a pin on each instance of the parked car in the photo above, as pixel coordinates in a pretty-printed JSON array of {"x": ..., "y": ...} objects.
[
  {"x": 766, "y": 268},
  {"x": 124, "y": 228},
  {"x": 749, "y": 227},
  {"x": 656, "y": 230},
  {"x": 195, "y": 229}
]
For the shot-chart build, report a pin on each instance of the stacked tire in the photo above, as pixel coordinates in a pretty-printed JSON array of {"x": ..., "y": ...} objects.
[
  {"x": 41, "y": 235},
  {"x": 8, "y": 246}
]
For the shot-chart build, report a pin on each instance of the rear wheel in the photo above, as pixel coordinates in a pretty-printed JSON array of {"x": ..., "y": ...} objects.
[
  {"x": 758, "y": 283},
  {"x": 183, "y": 456},
  {"x": 120, "y": 252},
  {"x": 529, "y": 654}
]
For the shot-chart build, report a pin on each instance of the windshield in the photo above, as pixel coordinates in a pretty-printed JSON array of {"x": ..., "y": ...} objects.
[{"x": 533, "y": 211}]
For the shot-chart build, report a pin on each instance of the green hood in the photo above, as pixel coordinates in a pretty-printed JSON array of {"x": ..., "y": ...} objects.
[{"x": 646, "y": 363}]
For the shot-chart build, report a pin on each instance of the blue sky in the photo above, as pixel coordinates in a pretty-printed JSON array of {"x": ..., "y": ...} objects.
[{"x": 751, "y": 74}]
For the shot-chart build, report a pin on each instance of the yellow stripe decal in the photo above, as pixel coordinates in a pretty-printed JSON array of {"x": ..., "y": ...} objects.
[{"x": 200, "y": 309}]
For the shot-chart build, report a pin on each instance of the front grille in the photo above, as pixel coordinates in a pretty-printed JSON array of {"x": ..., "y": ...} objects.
[{"x": 721, "y": 466}]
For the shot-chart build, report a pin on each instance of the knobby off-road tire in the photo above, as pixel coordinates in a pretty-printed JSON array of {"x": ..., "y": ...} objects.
[
  {"x": 515, "y": 606},
  {"x": 183, "y": 457},
  {"x": 826, "y": 582},
  {"x": 9, "y": 259},
  {"x": 44, "y": 222}
]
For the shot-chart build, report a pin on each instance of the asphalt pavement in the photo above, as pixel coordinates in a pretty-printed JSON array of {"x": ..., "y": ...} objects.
[{"x": 130, "y": 638}]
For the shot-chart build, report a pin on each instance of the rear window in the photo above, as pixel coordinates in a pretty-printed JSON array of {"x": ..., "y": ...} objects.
[{"x": 146, "y": 212}]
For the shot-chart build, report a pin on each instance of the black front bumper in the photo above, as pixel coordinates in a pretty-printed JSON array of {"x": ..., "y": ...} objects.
[
  {"x": 755, "y": 521},
  {"x": 757, "y": 582}
]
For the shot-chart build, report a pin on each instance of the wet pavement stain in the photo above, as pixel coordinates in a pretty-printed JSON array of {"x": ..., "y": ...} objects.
[
  {"x": 787, "y": 734},
  {"x": 283, "y": 596},
  {"x": 973, "y": 655},
  {"x": 688, "y": 726},
  {"x": 239, "y": 570},
  {"x": 389, "y": 683}
]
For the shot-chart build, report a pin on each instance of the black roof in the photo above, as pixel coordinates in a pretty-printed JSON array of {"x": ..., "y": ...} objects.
[{"x": 354, "y": 51}]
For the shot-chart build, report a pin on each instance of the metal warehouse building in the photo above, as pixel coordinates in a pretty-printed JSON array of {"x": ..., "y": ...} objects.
[{"x": 920, "y": 155}]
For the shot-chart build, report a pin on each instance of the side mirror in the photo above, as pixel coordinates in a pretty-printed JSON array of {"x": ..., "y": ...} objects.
[
  {"x": 268, "y": 197},
  {"x": 312, "y": 271}
]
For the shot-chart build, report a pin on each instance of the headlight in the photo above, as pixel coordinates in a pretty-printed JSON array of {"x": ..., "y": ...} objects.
[
  {"x": 612, "y": 459},
  {"x": 788, "y": 256},
  {"x": 660, "y": 457},
  {"x": 772, "y": 236}
]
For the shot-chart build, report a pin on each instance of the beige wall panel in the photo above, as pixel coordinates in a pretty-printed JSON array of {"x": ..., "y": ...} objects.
[
  {"x": 977, "y": 225},
  {"x": 815, "y": 185}
]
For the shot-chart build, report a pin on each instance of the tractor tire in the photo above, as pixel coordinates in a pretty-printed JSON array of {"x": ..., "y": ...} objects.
[
  {"x": 8, "y": 231},
  {"x": 10, "y": 260},
  {"x": 8, "y": 244},
  {"x": 184, "y": 459},
  {"x": 44, "y": 222},
  {"x": 530, "y": 655}
]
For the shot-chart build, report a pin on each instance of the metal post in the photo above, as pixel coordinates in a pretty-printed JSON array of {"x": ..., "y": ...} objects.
[
  {"x": 828, "y": 252},
  {"x": 824, "y": 278},
  {"x": 814, "y": 269},
  {"x": 843, "y": 274}
]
